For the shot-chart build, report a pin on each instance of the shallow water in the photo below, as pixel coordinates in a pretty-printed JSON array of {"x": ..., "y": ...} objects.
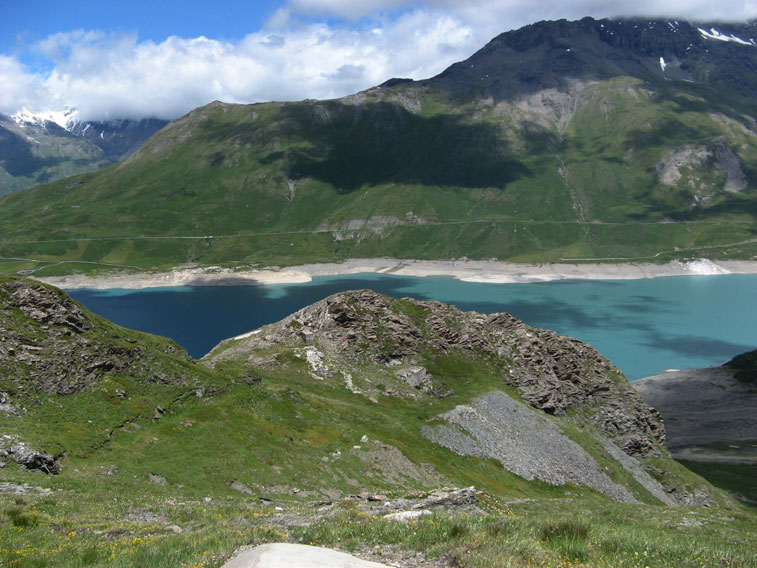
[{"x": 642, "y": 326}]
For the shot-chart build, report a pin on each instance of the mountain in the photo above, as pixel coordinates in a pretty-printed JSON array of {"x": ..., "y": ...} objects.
[
  {"x": 351, "y": 423},
  {"x": 711, "y": 419},
  {"x": 38, "y": 148},
  {"x": 601, "y": 139}
]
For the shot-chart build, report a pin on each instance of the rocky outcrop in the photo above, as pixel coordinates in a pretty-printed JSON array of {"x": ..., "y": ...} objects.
[
  {"x": 27, "y": 457},
  {"x": 50, "y": 344},
  {"x": 553, "y": 373}
]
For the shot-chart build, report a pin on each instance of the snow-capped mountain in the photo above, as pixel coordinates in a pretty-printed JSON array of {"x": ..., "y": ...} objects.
[
  {"x": 62, "y": 118},
  {"x": 39, "y": 147}
]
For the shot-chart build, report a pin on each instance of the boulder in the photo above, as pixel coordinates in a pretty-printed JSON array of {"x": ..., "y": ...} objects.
[
  {"x": 284, "y": 555},
  {"x": 416, "y": 377}
]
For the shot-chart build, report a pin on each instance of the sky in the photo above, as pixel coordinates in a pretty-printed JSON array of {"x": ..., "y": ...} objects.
[{"x": 162, "y": 58}]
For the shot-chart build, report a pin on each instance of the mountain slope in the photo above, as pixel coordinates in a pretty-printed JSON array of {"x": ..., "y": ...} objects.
[
  {"x": 300, "y": 432},
  {"x": 590, "y": 139},
  {"x": 36, "y": 150},
  {"x": 711, "y": 418}
]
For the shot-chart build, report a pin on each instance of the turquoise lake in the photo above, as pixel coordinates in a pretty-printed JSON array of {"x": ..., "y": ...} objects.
[{"x": 642, "y": 326}]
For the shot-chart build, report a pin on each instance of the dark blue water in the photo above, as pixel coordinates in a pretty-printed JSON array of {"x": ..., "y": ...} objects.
[{"x": 643, "y": 326}]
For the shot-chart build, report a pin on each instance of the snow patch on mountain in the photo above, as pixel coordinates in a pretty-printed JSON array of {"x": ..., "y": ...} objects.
[
  {"x": 63, "y": 118},
  {"x": 715, "y": 34}
]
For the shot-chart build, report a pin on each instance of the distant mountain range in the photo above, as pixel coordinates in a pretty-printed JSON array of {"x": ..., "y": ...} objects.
[
  {"x": 39, "y": 148},
  {"x": 592, "y": 139}
]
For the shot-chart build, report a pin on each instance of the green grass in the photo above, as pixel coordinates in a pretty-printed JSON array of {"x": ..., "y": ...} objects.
[
  {"x": 738, "y": 479},
  {"x": 76, "y": 529},
  {"x": 144, "y": 488}
]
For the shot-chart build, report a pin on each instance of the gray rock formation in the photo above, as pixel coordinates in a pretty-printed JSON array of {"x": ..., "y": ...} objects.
[
  {"x": 27, "y": 457},
  {"x": 49, "y": 343},
  {"x": 524, "y": 441},
  {"x": 553, "y": 372},
  {"x": 417, "y": 377}
]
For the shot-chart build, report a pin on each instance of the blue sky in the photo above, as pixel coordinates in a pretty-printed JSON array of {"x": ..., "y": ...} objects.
[
  {"x": 26, "y": 22},
  {"x": 133, "y": 59}
]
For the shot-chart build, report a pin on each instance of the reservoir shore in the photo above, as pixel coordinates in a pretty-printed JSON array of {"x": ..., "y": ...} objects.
[{"x": 494, "y": 272}]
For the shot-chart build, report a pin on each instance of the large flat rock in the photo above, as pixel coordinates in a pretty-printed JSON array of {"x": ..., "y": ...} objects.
[{"x": 284, "y": 555}]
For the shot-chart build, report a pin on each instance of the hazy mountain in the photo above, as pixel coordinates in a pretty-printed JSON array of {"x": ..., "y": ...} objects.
[{"x": 38, "y": 149}]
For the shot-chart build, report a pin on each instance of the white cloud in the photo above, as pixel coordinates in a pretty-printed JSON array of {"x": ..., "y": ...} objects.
[
  {"x": 518, "y": 12},
  {"x": 111, "y": 76},
  {"x": 20, "y": 88},
  {"x": 108, "y": 75}
]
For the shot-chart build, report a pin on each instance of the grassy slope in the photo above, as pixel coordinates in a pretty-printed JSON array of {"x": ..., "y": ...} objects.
[
  {"x": 503, "y": 181},
  {"x": 273, "y": 435},
  {"x": 270, "y": 430}
]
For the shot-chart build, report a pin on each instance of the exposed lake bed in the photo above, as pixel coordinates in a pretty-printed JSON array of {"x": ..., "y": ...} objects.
[{"x": 488, "y": 271}]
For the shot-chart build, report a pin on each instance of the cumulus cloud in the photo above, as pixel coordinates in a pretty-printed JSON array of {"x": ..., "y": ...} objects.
[
  {"x": 111, "y": 76},
  {"x": 20, "y": 88},
  {"x": 294, "y": 56}
]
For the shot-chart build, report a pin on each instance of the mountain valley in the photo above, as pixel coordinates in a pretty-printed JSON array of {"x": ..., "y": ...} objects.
[
  {"x": 405, "y": 432},
  {"x": 37, "y": 149}
]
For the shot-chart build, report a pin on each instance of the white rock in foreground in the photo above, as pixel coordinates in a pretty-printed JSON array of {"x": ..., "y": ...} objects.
[
  {"x": 404, "y": 516},
  {"x": 283, "y": 555}
]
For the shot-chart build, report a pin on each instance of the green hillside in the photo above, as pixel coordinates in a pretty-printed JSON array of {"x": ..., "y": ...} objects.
[{"x": 550, "y": 143}]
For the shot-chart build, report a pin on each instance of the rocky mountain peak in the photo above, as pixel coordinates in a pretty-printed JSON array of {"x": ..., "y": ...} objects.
[{"x": 550, "y": 54}]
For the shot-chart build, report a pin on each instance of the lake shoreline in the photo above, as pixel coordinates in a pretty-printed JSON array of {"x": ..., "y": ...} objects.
[{"x": 484, "y": 271}]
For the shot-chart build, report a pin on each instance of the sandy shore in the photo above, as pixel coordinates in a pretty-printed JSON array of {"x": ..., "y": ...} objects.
[{"x": 465, "y": 270}]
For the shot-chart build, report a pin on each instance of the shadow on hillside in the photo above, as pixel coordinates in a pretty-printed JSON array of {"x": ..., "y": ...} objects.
[
  {"x": 17, "y": 159},
  {"x": 349, "y": 146}
]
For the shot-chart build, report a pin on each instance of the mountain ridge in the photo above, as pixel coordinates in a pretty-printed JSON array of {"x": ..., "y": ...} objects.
[
  {"x": 42, "y": 147},
  {"x": 530, "y": 156}
]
